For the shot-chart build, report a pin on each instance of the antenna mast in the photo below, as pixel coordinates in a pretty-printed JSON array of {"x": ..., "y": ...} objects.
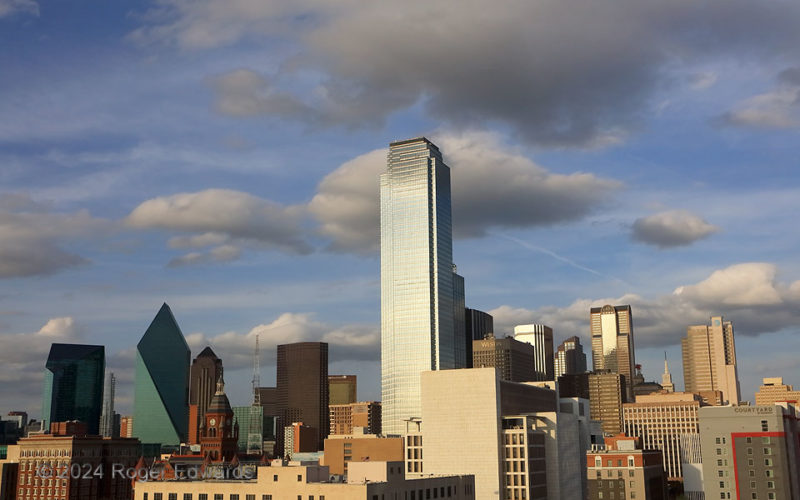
[
  {"x": 256, "y": 376},
  {"x": 255, "y": 430}
]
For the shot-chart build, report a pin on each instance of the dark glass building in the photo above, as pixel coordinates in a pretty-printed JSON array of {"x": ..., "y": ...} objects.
[
  {"x": 477, "y": 325},
  {"x": 73, "y": 385},
  {"x": 160, "y": 409},
  {"x": 302, "y": 392}
]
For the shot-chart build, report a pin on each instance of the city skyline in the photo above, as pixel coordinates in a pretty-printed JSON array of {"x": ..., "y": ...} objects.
[{"x": 235, "y": 176}]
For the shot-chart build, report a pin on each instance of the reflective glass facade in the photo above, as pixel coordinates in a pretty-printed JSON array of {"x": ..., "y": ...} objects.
[
  {"x": 73, "y": 384},
  {"x": 417, "y": 288},
  {"x": 160, "y": 412}
]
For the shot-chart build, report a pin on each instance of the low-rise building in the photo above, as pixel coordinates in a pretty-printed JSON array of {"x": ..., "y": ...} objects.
[
  {"x": 340, "y": 450},
  {"x": 621, "y": 469},
  {"x": 53, "y": 467},
  {"x": 289, "y": 480},
  {"x": 366, "y": 414}
]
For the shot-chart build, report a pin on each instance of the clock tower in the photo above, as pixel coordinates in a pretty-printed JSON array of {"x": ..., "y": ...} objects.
[{"x": 219, "y": 434}]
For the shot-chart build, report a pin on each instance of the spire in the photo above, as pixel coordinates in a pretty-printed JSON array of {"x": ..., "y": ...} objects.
[
  {"x": 220, "y": 385},
  {"x": 666, "y": 378}
]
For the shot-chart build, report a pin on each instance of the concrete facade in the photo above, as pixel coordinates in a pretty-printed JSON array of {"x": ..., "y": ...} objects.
[
  {"x": 470, "y": 420},
  {"x": 709, "y": 360},
  {"x": 622, "y": 470},
  {"x": 773, "y": 390},
  {"x": 612, "y": 342},
  {"x": 750, "y": 452},
  {"x": 280, "y": 481},
  {"x": 660, "y": 420},
  {"x": 341, "y": 450}
]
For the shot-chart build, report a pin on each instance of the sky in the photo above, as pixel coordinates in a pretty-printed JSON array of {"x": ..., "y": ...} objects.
[{"x": 223, "y": 156}]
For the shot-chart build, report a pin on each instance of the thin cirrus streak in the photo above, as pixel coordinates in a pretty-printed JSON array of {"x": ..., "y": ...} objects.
[{"x": 570, "y": 262}]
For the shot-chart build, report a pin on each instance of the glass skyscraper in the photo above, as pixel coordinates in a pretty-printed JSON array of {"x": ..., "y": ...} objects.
[
  {"x": 160, "y": 409},
  {"x": 418, "y": 330},
  {"x": 73, "y": 385}
]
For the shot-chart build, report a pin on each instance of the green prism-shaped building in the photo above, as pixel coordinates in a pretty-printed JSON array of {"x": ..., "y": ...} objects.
[{"x": 161, "y": 401}]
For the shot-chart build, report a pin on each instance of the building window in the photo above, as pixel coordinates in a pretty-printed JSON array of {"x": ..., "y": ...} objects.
[
  {"x": 201, "y": 496},
  {"x": 266, "y": 497},
  {"x": 299, "y": 477},
  {"x": 275, "y": 477},
  {"x": 156, "y": 496},
  {"x": 234, "y": 497},
  {"x": 217, "y": 496},
  {"x": 768, "y": 462},
  {"x": 250, "y": 497},
  {"x": 187, "y": 496},
  {"x": 172, "y": 496}
]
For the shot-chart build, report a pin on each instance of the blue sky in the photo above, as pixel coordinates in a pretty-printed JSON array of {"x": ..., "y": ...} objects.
[{"x": 223, "y": 157}]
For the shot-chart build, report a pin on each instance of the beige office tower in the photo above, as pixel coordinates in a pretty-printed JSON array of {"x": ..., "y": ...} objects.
[
  {"x": 709, "y": 360},
  {"x": 660, "y": 420},
  {"x": 773, "y": 390},
  {"x": 612, "y": 342},
  {"x": 606, "y": 396}
]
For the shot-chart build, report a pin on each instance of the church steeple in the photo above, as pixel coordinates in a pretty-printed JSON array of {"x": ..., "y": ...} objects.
[
  {"x": 220, "y": 437},
  {"x": 666, "y": 377}
]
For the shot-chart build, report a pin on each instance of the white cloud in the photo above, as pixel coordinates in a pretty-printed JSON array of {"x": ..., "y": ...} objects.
[
  {"x": 23, "y": 357},
  {"x": 226, "y": 218},
  {"x": 9, "y": 7},
  {"x": 748, "y": 294},
  {"x": 777, "y": 109},
  {"x": 493, "y": 186},
  {"x": 224, "y": 253},
  {"x": 671, "y": 229},
  {"x": 32, "y": 237},
  {"x": 346, "y": 342}
]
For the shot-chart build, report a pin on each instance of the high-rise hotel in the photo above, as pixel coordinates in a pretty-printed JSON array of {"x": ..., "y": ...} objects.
[{"x": 419, "y": 299}]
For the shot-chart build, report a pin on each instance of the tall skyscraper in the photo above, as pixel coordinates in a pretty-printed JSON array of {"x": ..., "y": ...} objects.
[
  {"x": 107, "y": 427},
  {"x": 606, "y": 395},
  {"x": 709, "y": 360},
  {"x": 541, "y": 338},
  {"x": 417, "y": 279},
  {"x": 612, "y": 342},
  {"x": 206, "y": 370},
  {"x": 161, "y": 396},
  {"x": 569, "y": 358},
  {"x": 73, "y": 385},
  {"x": 459, "y": 319},
  {"x": 302, "y": 387},
  {"x": 478, "y": 324}
]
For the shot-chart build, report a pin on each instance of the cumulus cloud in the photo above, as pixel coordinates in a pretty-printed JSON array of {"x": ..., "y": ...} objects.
[
  {"x": 777, "y": 109},
  {"x": 671, "y": 229},
  {"x": 225, "y": 219},
  {"x": 9, "y": 7},
  {"x": 749, "y": 294},
  {"x": 346, "y": 342},
  {"x": 23, "y": 356},
  {"x": 32, "y": 237},
  {"x": 493, "y": 186},
  {"x": 556, "y": 72}
]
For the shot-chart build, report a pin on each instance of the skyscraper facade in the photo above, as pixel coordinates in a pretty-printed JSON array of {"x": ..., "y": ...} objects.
[
  {"x": 107, "y": 427},
  {"x": 160, "y": 408},
  {"x": 612, "y": 342},
  {"x": 206, "y": 370},
  {"x": 569, "y": 358},
  {"x": 73, "y": 385},
  {"x": 417, "y": 289},
  {"x": 541, "y": 338},
  {"x": 709, "y": 360},
  {"x": 342, "y": 389},
  {"x": 511, "y": 358},
  {"x": 302, "y": 387},
  {"x": 478, "y": 324}
]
